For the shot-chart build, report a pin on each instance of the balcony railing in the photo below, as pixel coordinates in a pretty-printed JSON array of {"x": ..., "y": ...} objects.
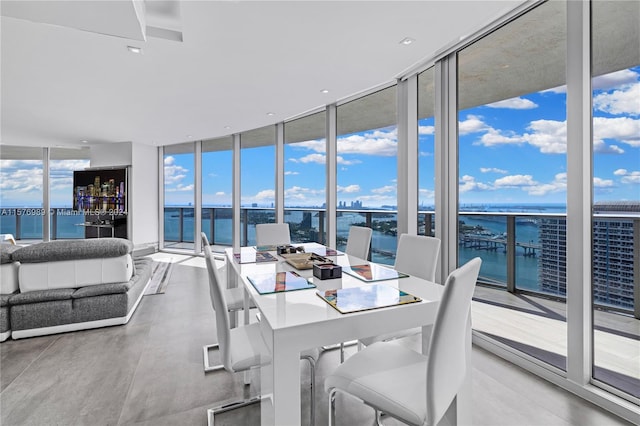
[{"x": 521, "y": 252}]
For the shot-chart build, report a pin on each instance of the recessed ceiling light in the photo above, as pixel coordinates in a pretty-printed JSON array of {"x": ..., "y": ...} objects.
[
  {"x": 407, "y": 40},
  {"x": 84, "y": 141},
  {"x": 134, "y": 49},
  {"x": 227, "y": 127},
  {"x": 270, "y": 113},
  {"x": 189, "y": 136},
  {"x": 324, "y": 91}
]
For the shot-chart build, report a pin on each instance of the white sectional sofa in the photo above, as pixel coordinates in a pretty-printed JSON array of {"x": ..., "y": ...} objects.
[{"x": 72, "y": 285}]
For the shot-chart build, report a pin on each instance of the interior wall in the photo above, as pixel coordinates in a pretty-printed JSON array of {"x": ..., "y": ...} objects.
[
  {"x": 142, "y": 188},
  {"x": 143, "y": 195}
]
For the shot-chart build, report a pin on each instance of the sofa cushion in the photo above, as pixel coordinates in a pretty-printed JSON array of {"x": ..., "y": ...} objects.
[
  {"x": 9, "y": 277},
  {"x": 75, "y": 273},
  {"x": 4, "y": 299},
  {"x": 60, "y": 250},
  {"x": 41, "y": 296},
  {"x": 98, "y": 290},
  {"x": 6, "y": 252}
]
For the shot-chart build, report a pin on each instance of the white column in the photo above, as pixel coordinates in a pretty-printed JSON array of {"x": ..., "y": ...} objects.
[
  {"x": 236, "y": 187},
  {"x": 331, "y": 185},
  {"x": 579, "y": 148},
  {"x": 46, "y": 199},
  {"x": 160, "y": 198},
  {"x": 279, "y": 198},
  {"x": 197, "y": 212},
  {"x": 407, "y": 182}
]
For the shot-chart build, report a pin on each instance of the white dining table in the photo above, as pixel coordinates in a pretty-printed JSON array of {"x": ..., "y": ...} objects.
[{"x": 294, "y": 321}]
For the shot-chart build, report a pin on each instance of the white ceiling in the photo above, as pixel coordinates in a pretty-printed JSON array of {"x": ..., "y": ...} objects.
[{"x": 72, "y": 78}]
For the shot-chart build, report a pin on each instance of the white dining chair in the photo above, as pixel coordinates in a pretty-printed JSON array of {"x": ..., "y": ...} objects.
[
  {"x": 417, "y": 255},
  {"x": 414, "y": 388},
  {"x": 242, "y": 348},
  {"x": 235, "y": 302},
  {"x": 272, "y": 234},
  {"x": 359, "y": 242}
]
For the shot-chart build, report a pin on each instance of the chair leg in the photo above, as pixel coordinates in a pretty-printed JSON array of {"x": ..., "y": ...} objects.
[
  {"x": 312, "y": 371},
  {"x": 332, "y": 407},
  {"x": 208, "y": 367},
  {"x": 211, "y": 412}
]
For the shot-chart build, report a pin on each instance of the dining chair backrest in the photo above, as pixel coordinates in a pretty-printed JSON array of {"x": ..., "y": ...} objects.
[
  {"x": 446, "y": 364},
  {"x": 417, "y": 255},
  {"x": 272, "y": 234},
  {"x": 219, "y": 304},
  {"x": 205, "y": 240},
  {"x": 359, "y": 242}
]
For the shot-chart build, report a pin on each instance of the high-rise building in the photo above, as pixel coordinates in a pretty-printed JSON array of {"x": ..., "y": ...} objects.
[{"x": 612, "y": 260}]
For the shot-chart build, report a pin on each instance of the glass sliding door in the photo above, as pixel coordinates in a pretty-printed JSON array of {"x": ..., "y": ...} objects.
[
  {"x": 426, "y": 151},
  {"x": 305, "y": 178},
  {"x": 64, "y": 221},
  {"x": 512, "y": 180},
  {"x": 257, "y": 181},
  {"x": 615, "y": 39},
  {"x": 179, "y": 198},
  {"x": 367, "y": 154},
  {"x": 21, "y": 195},
  {"x": 217, "y": 187}
]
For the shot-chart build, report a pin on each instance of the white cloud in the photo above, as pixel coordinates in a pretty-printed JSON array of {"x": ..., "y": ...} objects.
[
  {"x": 614, "y": 79},
  {"x": 624, "y": 129},
  {"x": 317, "y": 146},
  {"x": 602, "y": 183},
  {"x": 290, "y": 173},
  {"x": 495, "y": 137},
  {"x": 473, "y": 124},
  {"x": 68, "y": 165},
  {"x": 300, "y": 193},
  {"x": 425, "y": 154},
  {"x": 266, "y": 194},
  {"x": 514, "y": 103},
  {"x": 342, "y": 161},
  {"x": 220, "y": 194},
  {"x": 384, "y": 190},
  {"x": 378, "y": 143},
  {"x": 426, "y": 130},
  {"x": 428, "y": 194},
  {"x": 493, "y": 170},
  {"x": 515, "y": 181},
  {"x": 628, "y": 177},
  {"x": 558, "y": 184},
  {"x": 550, "y": 136},
  {"x": 169, "y": 160},
  {"x": 468, "y": 183},
  {"x": 311, "y": 158},
  {"x": 349, "y": 189},
  {"x": 180, "y": 188},
  {"x": 625, "y": 100}
]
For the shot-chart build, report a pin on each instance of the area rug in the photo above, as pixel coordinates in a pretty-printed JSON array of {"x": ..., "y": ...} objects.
[{"x": 159, "y": 277}]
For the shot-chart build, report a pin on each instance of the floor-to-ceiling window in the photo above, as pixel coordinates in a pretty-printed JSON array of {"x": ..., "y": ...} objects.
[
  {"x": 217, "y": 186},
  {"x": 179, "y": 196},
  {"x": 64, "y": 221},
  {"x": 305, "y": 178},
  {"x": 367, "y": 151},
  {"x": 615, "y": 37},
  {"x": 426, "y": 150},
  {"x": 257, "y": 180},
  {"x": 21, "y": 194},
  {"x": 512, "y": 179}
]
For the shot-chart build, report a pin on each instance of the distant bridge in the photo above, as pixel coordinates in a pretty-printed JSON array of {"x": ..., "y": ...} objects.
[{"x": 481, "y": 242}]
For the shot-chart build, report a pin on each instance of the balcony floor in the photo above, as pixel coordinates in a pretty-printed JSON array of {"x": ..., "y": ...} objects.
[{"x": 538, "y": 327}]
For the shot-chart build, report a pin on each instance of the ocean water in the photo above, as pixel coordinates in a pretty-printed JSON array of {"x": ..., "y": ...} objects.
[{"x": 384, "y": 245}]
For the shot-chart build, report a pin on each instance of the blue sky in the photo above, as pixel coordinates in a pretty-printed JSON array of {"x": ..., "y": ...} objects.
[{"x": 513, "y": 151}]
